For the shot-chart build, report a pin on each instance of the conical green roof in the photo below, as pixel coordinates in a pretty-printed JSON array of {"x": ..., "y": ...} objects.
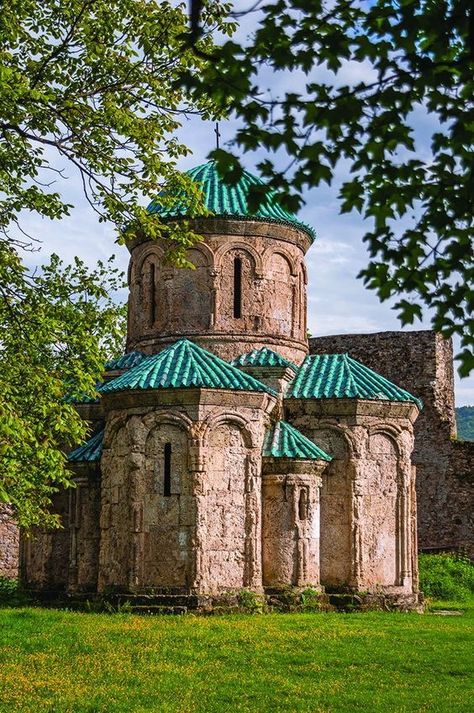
[
  {"x": 225, "y": 200},
  {"x": 184, "y": 365},
  {"x": 263, "y": 357},
  {"x": 89, "y": 452},
  {"x": 329, "y": 376},
  {"x": 285, "y": 441}
]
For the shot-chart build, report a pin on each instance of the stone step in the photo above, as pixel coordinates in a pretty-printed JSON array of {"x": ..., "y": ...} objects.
[
  {"x": 190, "y": 601},
  {"x": 157, "y": 609}
]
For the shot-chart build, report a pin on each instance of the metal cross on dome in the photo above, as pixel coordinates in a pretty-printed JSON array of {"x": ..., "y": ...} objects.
[{"x": 218, "y": 134}]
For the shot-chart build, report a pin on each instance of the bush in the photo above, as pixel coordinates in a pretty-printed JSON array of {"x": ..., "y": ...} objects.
[{"x": 447, "y": 576}]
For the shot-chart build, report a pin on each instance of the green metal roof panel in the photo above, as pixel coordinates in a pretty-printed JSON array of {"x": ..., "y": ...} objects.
[
  {"x": 126, "y": 361},
  {"x": 185, "y": 365},
  {"x": 328, "y": 376},
  {"x": 89, "y": 452},
  {"x": 263, "y": 357},
  {"x": 225, "y": 200},
  {"x": 285, "y": 441}
]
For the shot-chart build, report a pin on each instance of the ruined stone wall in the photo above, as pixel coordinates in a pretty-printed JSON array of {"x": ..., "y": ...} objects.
[
  {"x": 167, "y": 303},
  {"x": 45, "y": 553},
  {"x": 9, "y": 543},
  {"x": 422, "y": 363}
]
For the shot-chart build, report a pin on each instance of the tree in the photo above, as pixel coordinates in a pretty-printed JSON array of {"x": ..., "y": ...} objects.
[
  {"x": 417, "y": 56},
  {"x": 88, "y": 86},
  {"x": 57, "y": 326}
]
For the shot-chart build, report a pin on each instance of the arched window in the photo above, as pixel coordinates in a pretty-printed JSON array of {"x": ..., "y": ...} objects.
[
  {"x": 167, "y": 470},
  {"x": 152, "y": 294},
  {"x": 237, "y": 287}
]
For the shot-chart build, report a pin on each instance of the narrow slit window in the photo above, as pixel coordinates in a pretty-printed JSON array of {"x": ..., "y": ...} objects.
[
  {"x": 237, "y": 287},
  {"x": 152, "y": 295},
  {"x": 167, "y": 471}
]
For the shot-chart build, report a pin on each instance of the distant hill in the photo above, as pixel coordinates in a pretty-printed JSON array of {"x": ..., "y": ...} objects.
[{"x": 465, "y": 422}]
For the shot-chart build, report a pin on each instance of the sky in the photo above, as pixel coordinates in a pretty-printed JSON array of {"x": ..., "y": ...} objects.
[{"x": 338, "y": 302}]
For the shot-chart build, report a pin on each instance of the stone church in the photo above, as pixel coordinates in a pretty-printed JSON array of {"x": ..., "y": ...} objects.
[{"x": 223, "y": 455}]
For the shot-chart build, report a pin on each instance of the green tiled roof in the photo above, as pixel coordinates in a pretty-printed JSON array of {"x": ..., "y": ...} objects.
[
  {"x": 90, "y": 452},
  {"x": 224, "y": 200},
  {"x": 329, "y": 376},
  {"x": 285, "y": 441},
  {"x": 126, "y": 361},
  {"x": 263, "y": 357},
  {"x": 184, "y": 365}
]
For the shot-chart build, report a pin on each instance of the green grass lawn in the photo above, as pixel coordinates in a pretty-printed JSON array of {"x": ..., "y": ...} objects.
[{"x": 60, "y": 661}]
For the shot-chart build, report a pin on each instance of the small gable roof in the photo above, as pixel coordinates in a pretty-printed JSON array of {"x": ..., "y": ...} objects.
[
  {"x": 89, "y": 452},
  {"x": 329, "y": 376},
  {"x": 263, "y": 357},
  {"x": 285, "y": 441},
  {"x": 184, "y": 365}
]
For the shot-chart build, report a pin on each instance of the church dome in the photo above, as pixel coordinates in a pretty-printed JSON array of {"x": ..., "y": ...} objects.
[{"x": 224, "y": 200}]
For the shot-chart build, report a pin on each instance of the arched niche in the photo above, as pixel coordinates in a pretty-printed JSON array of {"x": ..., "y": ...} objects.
[
  {"x": 335, "y": 498},
  {"x": 167, "y": 506},
  {"x": 189, "y": 290},
  {"x": 150, "y": 307},
  {"x": 380, "y": 514},
  {"x": 281, "y": 293},
  {"x": 225, "y": 499},
  {"x": 239, "y": 299}
]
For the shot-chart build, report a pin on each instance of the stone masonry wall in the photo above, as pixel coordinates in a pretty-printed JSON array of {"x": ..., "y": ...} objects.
[
  {"x": 422, "y": 363},
  {"x": 167, "y": 303},
  {"x": 9, "y": 543}
]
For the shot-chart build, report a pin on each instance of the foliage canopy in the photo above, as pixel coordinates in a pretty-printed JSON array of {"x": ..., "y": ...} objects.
[
  {"x": 87, "y": 87},
  {"x": 360, "y": 74}
]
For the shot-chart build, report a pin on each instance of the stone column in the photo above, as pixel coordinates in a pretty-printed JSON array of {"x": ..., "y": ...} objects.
[
  {"x": 74, "y": 523},
  {"x": 414, "y": 530},
  {"x": 253, "y": 525},
  {"x": 198, "y": 570},
  {"x": 357, "y": 520},
  {"x": 214, "y": 274},
  {"x": 294, "y": 308},
  {"x": 136, "y": 472}
]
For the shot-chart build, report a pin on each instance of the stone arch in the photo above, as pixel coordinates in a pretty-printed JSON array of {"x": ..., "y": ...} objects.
[
  {"x": 207, "y": 253},
  {"x": 111, "y": 428},
  {"x": 180, "y": 419},
  {"x": 271, "y": 251},
  {"x": 241, "y": 246},
  {"x": 215, "y": 420},
  {"x": 137, "y": 261}
]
